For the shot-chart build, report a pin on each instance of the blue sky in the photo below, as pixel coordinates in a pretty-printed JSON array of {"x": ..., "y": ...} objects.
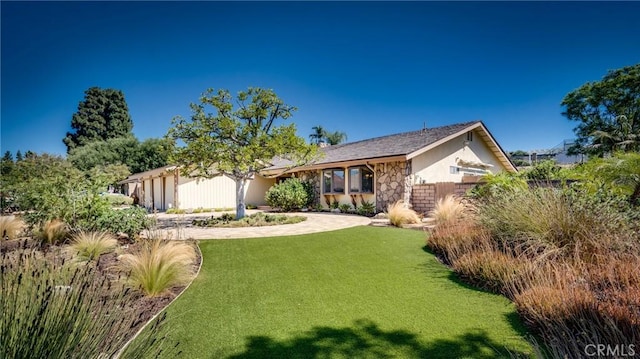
[{"x": 365, "y": 68}]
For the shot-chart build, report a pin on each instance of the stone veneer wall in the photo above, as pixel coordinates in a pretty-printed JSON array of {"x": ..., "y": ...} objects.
[
  {"x": 314, "y": 178},
  {"x": 392, "y": 184},
  {"x": 423, "y": 196}
]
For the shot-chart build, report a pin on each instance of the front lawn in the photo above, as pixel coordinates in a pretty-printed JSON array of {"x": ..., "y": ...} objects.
[{"x": 353, "y": 293}]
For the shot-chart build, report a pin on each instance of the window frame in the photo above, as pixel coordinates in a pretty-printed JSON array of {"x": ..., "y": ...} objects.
[
  {"x": 362, "y": 177},
  {"x": 324, "y": 183}
]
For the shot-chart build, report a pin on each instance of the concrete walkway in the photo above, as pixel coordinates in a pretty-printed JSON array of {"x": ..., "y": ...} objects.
[{"x": 178, "y": 226}]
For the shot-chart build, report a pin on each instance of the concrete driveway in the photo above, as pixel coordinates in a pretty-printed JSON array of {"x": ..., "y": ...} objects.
[{"x": 178, "y": 226}]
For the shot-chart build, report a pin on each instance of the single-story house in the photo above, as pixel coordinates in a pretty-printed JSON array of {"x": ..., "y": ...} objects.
[
  {"x": 417, "y": 167},
  {"x": 166, "y": 187}
]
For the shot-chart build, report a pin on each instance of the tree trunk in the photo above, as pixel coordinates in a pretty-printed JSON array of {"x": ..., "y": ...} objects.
[{"x": 240, "y": 183}]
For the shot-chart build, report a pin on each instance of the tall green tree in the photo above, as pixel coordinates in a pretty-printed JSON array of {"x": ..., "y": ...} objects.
[
  {"x": 318, "y": 135},
  {"x": 19, "y": 156},
  {"x": 608, "y": 112},
  {"x": 127, "y": 150},
  {"x": 103, "y": 114},
  {"x": 237, "y": 142},
  {"x": 336, "y": 138},
  {"x": 151, "y": 153},
  {"x": 120, "y": 150},
  {"x": 6, "y": 163}
]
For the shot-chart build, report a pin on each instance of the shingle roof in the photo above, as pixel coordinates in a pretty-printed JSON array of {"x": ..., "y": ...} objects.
[{"x": 385, "y": 146}]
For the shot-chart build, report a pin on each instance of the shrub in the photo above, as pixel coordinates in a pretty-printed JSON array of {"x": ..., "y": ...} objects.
[
  {"x": 10, "y": 227},
  {"x": 399, "y": 213},
  {"x": 175, "y": 211},
  {"x": 555, "y": 219},
  {"x": 131, "y": 221},
  {"x": 54, "y": 311},
  {"x": 90, "y": 245},
  {"x": 52, "y": 232},
  {"x": 546, "y": 170},
  {"x": 498, "y": 184},
  {"x": 255, "y": 220},
  {"x": 288, "y": 195},
  {"x": 159, "y": 265},
  {"x": 312, "y": 198},
  {"x": 345, "y": 207},
  {"x": 119, "y": 199},
  {"x": 448, "y": 210},
  {"x": 366, "y": 209}
]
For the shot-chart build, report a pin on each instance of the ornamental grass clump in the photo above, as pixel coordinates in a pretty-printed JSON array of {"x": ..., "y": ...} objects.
[
  {"x": 159, "y": 265},
  {"x": 90, "y": 245},
  {"x": 493, "y": 270},
  {"x": 449, "y": 242},
  {"x": 52, "y": 310},
  {"x": 556, "y": 219},
  {"x": 10, "y": 227},
  {"x": 575, "y": 306},
  {"x": 52, "y": 232},
  {"x": 448, "y": 211},
  {"x": 400, "y": 213}
]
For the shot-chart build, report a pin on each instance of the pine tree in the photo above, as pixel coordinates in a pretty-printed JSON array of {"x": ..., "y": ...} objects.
[{"x": 103, "y": 114}]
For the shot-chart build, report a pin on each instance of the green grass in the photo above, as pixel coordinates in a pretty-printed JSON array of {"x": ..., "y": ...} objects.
[{"x": 359, "y": 292}]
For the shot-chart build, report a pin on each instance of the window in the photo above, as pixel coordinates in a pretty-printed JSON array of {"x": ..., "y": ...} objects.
[
  {"x": 333, "y": 181},
  {"x": 360, "y": 180},
  {"x": 469, "y": 136}
]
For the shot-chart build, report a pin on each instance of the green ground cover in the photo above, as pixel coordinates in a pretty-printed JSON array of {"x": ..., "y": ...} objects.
[{"x": 362, "y": 292}]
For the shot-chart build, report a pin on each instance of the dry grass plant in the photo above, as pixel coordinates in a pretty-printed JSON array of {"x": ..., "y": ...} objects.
[
  {"x": 159, "y": 265},
  {"x": 494, "y": 270},
  {"x": 53, "y": 310},
  {"x": 573, "y": 306},
  {"x": 52, "y": 232},
  {"x": 451, "y": 241},
  {"x": 400, "y": 213},
  {"x": 448, "y": 211},
  {"x": 10, "y": 227},
  {"x": 89, "y": 246}
]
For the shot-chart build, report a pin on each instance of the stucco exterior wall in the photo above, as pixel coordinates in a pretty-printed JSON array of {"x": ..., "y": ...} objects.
[
  {"x": 148, "y": 200},
  {"x": 435, "y": 165},
  {"x": 217, "y": 192},
  {"x": 158, "y": 194},
  {"x": 256, "y": 189}
]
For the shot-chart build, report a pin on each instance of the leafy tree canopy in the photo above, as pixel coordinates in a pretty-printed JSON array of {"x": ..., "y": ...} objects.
[
  {"x": 103, "y": 114},
  {"x": 6, "y": 163},
  {"x": 120, "y": 150},
  {"x": 518, "y": 153},
  {"x": 608, "y": 112},
  {"x": 237, "y": 142},
  {"x": 151, "y": 153},
  {"x": 320, "y": 134},
  {"x": 336, "y": 138},
  {"x": 127, "y": 150}
]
